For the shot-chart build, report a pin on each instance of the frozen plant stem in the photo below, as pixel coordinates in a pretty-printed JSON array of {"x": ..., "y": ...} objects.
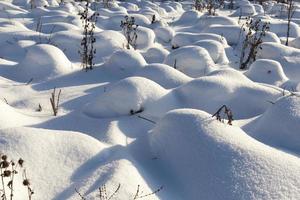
[
  {"x": 88, "y": 51},
  {"x": 291, "y": 11},
  {"x": 228, "y": 113},
  {"x": 256, "y": 30},
  {"x": 129, "y": 30},
  {"x": 3, "y": 196},
  {"x": 54, "y": 100}
]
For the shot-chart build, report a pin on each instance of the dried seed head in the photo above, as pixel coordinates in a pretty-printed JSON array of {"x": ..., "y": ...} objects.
[
  {"x": 7, "y": 173},
  {"x": 21, "y": 162},
  {"x": 4, "y": 164},
  {"x": 26, "y": 182},
  {"x": 4, "y": 157}
]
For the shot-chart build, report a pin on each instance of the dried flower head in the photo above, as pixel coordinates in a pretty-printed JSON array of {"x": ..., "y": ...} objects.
[
  {"x": 7, "y": 173},
  {"x": 4, "y": 164},
  {"x": 21, "y": 162},
  {"x": 26, "y": 182},
  {"x": 4, "y": 157}
]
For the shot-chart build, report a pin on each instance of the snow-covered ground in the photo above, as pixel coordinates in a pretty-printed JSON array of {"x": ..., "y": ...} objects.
[{"x": 143, "y": 117}]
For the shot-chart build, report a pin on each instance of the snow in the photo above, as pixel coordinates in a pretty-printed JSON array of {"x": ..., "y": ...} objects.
[
  {"x": 276, "y": 27},
  {"x": 190, "y": 17},
  {"x": 215, "y": 49},
  {"x": 184, "y": 39},
  {"x": 124, "y": 63},
  {"x": 286, "y": 56},
  {"x": 279, "y": 125},
  {"x": 142, "y": 117},
  {"x": 131, "y": 94},
  {"x": 155, "y": 55},
  {"x": 207, "y": 156},
  {"x": 245, "y": 10},
  {"x": 229, "y": 87},
  {"x": 205, "y": 21},
  {"x": 193, "y": 61},
  {"x": 267, "y": 71},
  {"x": 232, "y": 34},
  {"x": 145, "y": 37},
  {"x": 41, "y": 62},
  {"x": 164, "y": 75},
  {"x": 164, "y": 33}
]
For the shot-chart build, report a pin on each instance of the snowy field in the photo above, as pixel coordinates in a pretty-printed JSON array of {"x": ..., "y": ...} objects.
[{"x": 143, "y": 122}]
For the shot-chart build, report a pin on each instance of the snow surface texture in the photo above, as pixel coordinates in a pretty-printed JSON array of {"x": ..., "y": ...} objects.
[
  {"x": 143, "y": 117},
  {"x": 228, "y": 160}
]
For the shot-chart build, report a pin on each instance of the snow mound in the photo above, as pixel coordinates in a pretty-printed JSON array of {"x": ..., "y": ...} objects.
[
  {"x": 245, "y": 10},
  {"x": 164, "y": 33},
  {"x": 131, "y": 7},
  {"x": 188, "y": 17},
  {"x": 276, "y": 27},
  {"x": 155, "y": 55},
  {"x": 267, "y": 71},
  {"x": 211, "y": 160},
  {"x": 185, "y": 38},
  {"x": 69, "y": 42},
  {"x": 271, "y": 37},
  {"x": 124, "y": 63},
  {"x": 288, "y": 57},
  {"x": 229, "y": 87},
  {"x": 279, "y": 126},
  {"x": 50, "y": 28},
  {"x": 127, "y": 96},
  {"x": 13, "y": 117},
  {"x": 113, "y": 22},
  {"x": 71, "y": 19},
  {"x": 295, "y": 43},
  {"x": 145, "y": 37},
  {"x": 41, "y": 62},
  {"x": 259, "y": 9},
  {"x": 233, "y": 34},
  {"x": 164, "y": 75},
  {"x": 215, "y": 49},
  {"x": 110, "y": 13},
  {"x": 70, "y": 160},
  {"x": 193, "y": 61},
  {"x": 149, "y": 13},
  {"x": 106, "y": 43},
  {"x": 48, "y": 155},
  {"x": 206, "y": 20}
]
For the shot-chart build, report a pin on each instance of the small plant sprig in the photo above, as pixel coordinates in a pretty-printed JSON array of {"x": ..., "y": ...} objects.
[
  {"x": 211, "y": 6},
  {"x": 88, "y": 50},
  {"x": 199, "y": 5},
  {"x": 227, "y": 112},
  {"x": 26, "y": 183},
  {"x": 129, "y": 29},
  {"x": 104, "y": 196},
  {"x": 256, "y": 30},
  {"x": 138, "y": 193},
  {"x": 8, "y": 171}
]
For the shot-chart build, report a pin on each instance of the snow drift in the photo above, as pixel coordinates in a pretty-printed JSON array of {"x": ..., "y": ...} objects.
[{"x": 204, "y": 156}]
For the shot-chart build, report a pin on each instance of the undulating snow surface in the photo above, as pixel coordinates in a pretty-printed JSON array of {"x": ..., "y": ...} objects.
[{"x": 142, "y": 117}]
